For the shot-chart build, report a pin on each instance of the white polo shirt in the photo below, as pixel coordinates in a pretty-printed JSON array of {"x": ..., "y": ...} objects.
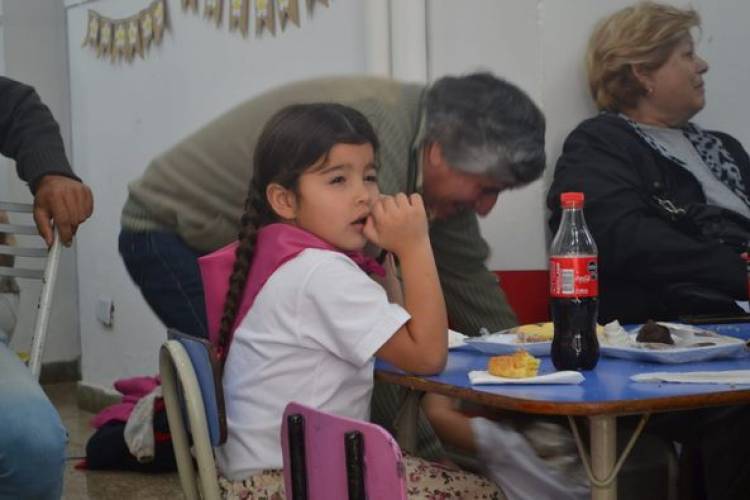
[{"x": 310, "y": 337}]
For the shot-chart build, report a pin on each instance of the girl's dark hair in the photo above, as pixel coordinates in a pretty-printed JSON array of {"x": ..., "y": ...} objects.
[{"x": 294, "y": 139}]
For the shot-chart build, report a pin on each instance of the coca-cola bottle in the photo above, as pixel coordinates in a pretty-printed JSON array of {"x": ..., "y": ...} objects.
[{"x": 574, "y": 289}]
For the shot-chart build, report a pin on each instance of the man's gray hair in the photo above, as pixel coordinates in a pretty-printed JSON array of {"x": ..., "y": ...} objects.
[{"x": 486, "y": 125}]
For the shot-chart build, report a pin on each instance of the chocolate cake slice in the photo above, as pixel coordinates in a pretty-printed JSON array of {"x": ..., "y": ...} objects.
[{"x": 651, "y": 332}]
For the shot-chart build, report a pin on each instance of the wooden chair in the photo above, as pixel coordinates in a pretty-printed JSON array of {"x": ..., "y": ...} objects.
[
  {"x": 32, "y": 248},
  {"x": 326, "y": 456},
  {"x": 191, "y": 385}
]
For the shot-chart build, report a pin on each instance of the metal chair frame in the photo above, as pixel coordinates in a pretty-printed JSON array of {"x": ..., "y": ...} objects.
[
  {"x": 178, "y": 375},
  {"x": 48, "y": 276}
]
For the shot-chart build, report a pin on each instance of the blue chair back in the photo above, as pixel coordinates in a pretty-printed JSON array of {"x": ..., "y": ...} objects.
[{"x": 207, "y": 369}]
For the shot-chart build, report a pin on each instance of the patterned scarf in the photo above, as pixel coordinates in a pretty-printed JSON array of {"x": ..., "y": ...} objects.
[{"x": 709, "y": 148}]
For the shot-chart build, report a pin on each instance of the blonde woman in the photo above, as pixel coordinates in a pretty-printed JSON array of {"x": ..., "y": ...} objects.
[
  {"x": 667, "y": 201},
  {"x": 668, "y": 205}
]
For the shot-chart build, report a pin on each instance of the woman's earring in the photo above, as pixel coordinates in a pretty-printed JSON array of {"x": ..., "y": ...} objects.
[{"x": 649, "y": 90}]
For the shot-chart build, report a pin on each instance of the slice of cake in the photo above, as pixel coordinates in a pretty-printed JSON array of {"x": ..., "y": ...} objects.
[
  {"x": 520, "y": 364},
  {"x": 535, "y": 332}
]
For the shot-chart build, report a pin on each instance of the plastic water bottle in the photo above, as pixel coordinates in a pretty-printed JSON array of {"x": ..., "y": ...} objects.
[{"x": 574, "y": 289}]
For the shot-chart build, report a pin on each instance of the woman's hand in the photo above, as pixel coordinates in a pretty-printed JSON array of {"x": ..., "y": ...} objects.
[{"x": 397, "y": 223}]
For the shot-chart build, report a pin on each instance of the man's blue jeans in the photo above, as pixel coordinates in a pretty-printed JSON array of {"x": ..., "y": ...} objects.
[
  {"x": 166, "y": 271},
  {"x": 32, "y": 437}
]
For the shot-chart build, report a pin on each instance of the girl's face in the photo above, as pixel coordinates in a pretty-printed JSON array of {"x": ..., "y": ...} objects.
[{"x": 334, "y": 199}]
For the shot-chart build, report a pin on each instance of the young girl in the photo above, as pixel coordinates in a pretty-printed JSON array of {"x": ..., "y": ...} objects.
[{"x": 307, "y": 320}]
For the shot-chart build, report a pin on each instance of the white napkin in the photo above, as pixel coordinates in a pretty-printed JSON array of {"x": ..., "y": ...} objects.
[
  {"x": 478, "y": 377},
  {"x": 723, "y": 377},
  {"x": 455, "y": 339}
]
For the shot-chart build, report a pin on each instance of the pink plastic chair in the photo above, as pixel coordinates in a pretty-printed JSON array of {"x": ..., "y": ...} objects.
[{"x": 326, "y": 457}]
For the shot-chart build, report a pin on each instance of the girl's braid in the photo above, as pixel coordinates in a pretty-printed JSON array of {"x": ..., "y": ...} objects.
[{"x": 255, "y": 215}]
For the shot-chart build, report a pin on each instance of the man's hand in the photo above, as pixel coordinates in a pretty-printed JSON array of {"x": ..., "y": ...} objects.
[{"x": 64, "y": 202}]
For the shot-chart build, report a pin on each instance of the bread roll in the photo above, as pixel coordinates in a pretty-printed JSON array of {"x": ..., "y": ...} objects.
[{"x": 520, "y": 364}]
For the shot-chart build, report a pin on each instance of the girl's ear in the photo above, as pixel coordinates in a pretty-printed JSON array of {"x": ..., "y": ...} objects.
[{"x": 283, "y": 201}]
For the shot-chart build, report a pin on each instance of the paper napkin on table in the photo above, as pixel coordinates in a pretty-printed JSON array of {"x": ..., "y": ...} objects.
[
  {"x": 719, "y": 377},
  {"x": 483, "y": 377}
]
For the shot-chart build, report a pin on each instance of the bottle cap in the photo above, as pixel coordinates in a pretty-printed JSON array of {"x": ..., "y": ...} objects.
[{"x": 571, "y": 200}]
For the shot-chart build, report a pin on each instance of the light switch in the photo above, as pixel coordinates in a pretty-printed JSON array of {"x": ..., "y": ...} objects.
[{"x": 105, "y": 309}]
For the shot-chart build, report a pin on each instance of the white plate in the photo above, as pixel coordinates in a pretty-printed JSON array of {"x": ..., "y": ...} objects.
[
  {"x": 507, "y": 343},
  {"x": 456, "y": 339},
  {"x": 725, "y": 347}
]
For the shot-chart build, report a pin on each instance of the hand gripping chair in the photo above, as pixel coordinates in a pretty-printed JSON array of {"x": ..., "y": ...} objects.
[
  {"x": 27, "y": 247},
  {"x": 326, "y": 456},
  {"x": 191, "y": 385}
]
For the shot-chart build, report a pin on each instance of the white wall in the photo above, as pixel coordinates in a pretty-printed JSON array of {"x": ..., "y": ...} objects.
[
  {"x": 34, "y": 51},
  {"x": 125, "y": 114}
]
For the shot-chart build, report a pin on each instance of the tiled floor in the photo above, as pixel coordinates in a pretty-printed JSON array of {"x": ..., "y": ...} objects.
[{"x": 97, "y": 484}]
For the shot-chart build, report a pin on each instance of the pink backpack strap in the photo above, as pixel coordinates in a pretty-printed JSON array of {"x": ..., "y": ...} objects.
[{"x": 216, "y": 268}]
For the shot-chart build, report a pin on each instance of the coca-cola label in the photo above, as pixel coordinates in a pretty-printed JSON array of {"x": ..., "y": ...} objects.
[{"x": 574, "y": 276}]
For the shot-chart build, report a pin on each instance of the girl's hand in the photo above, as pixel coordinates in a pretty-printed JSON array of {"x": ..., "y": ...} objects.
[{"x": 397, "y": 223}]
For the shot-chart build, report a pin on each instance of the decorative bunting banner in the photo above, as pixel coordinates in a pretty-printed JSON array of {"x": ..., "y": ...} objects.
[
  {"x": 212, "y": 10},
  {"x": 265, "y": 13},
  {"x": 311, "y": 3},
  {"x": 119, "y": 39},
  {"x": 264, "y": 16},
  {"x": 238, "y": 14},
  {"x": 123, "y": 38},
  {"x": 105, "y": 38},
  {"x": 134, "y": 40},
  {"x": 92, "y": 30},
  {"x": 288, "y": 10},
  {"x": 147, "y": 28},
  {"x": 159, "y": 16},
  {"x": 190, "y": 4}
]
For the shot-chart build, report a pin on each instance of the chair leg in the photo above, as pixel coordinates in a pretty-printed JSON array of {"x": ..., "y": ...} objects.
[
  {"x": 296, "y": 431},
  {"x": 405, "y": 423},
  {"x": 672, "y": 472},
  {"x": 355, "y": 471},
  {"x": 43, "y": 308},
  {"x": 177, "y": 427}
]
